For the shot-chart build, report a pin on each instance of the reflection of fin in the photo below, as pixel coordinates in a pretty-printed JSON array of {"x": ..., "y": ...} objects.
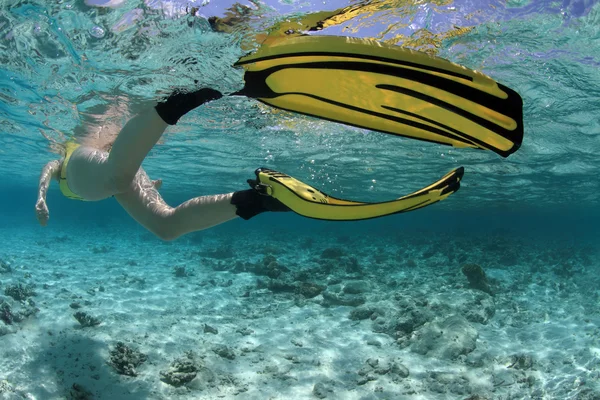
[
  {"x": 385, "y": 88},
  {"x": 316, "y": 21},
  {"x": 310, "y": 202},
  {"x": 293, "y": 26},
  {"x": 238, "y": 19},
  {"x": 342, "y": 15}
]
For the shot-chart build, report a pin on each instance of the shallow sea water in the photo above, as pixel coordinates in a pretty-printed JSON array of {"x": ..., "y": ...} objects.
[{"x": 285, "y": 307}]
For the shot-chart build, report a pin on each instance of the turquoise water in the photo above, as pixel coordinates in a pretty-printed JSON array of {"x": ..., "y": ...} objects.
[{"x": 531, "y": 221}]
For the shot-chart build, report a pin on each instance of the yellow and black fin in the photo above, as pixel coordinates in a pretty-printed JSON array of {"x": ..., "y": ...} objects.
[
  {"x": 312, "y": 203},
  {"x": 385, "y": 88}
]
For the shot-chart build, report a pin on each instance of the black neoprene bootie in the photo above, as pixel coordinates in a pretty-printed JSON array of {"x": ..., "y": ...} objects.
[
  {"x": 179, "y": 103},
  {"x": 251, "y": 202}
]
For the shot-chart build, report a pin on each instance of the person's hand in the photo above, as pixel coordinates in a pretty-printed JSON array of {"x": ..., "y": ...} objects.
[{"x": 41, "y": 212}]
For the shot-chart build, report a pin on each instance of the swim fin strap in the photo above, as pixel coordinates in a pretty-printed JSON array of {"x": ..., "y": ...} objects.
[
  {"x": 312, "y": 203},
  {"x": 385, "y": 88}
]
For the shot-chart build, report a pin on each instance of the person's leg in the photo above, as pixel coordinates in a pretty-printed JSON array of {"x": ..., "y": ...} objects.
[
  {"x": 143, "y": 202},
  {"x": 132, "y": 145},
  {"x": 147, "y": 207},
  {"x": 200, "y": 213},
  {"x": 142, "y": 132},
  {"x": 94, "y": 175}
]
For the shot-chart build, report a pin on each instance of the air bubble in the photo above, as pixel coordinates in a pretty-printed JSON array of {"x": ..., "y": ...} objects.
[{"x": 97, "y": 32}]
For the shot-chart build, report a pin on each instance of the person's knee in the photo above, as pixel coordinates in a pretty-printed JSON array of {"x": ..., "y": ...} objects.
[
  {"x": 164, "y": 231},
  {"x": 165, "y": 234}
]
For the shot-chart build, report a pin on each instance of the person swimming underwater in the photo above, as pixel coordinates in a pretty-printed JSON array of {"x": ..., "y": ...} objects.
[{"x": 92, "y": 174}]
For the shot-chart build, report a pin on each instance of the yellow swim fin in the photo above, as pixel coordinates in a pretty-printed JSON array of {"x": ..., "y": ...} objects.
[
  {"x": 312, "y": 203},
  {"x": 385, "y": 88}
]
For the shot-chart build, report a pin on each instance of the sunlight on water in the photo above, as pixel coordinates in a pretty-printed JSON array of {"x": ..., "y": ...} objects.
[{"x": 65, "y": 66}]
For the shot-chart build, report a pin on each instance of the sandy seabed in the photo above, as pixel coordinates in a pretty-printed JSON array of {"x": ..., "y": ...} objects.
[{"x": 98, "y": 315}]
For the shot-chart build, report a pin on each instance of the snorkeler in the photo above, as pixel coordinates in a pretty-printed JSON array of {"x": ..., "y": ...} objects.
[
  {"x": 348, "y": 80},
  {"x": 91, "y": 174}
]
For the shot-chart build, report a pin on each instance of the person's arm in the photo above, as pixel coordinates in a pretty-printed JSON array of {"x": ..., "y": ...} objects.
[{"x": 50, "y": 171}]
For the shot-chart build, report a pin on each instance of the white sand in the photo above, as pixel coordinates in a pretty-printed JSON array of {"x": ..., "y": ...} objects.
[{"x": 292, "y": 343}]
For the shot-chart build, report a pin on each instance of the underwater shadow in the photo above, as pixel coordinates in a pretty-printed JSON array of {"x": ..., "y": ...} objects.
[{"x": 69, "y": 358}]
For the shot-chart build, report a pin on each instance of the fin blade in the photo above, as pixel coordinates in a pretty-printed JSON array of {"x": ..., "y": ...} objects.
[
  {"x": 312, "y": 203},
  {"x": 387, "y": 89}
]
